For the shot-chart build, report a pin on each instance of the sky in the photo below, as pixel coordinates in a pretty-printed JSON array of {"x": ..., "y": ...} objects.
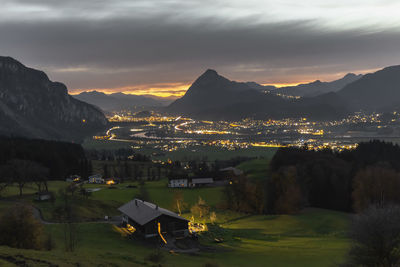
[{"x": 160, "y": 47}]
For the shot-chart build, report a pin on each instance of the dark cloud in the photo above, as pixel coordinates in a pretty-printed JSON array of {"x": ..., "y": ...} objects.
[{"x": 112, "y": 51}]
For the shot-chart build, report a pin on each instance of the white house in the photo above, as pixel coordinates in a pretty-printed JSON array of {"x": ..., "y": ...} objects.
[
  {"x": 96, "y": 179},
  {"x": 178, "y": 183}
]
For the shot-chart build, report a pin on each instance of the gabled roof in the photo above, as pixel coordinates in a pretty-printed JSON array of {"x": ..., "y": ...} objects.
[
  {"x": 202, "y": 180},
  {"x": 143, "y": 212}
]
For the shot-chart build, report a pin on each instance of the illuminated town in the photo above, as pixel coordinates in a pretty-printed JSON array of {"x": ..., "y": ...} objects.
[{"x": 171, "y": 133}]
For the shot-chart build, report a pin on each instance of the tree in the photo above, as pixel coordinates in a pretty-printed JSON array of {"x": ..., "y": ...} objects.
[
  {"x": 376, "y": 237},
  {"x": 5, "y": 177},
  {"x": 178, "y": 202},
  {"x": 106, "y": 173},
  {"x": 25, "y": 171},
  {"x": 200, "y": 209},
  {"x": 19, "y": 228},
  {"x": 376, "y": 185},
  {"x": 66, "y": 212},
  {"x": 285, "y": 192}
]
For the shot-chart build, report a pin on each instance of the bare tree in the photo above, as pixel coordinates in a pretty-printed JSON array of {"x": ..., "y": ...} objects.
[
  {"x": 22, "y": 172},
  {"x": 376, "y": 185},
  {"x": 178, "y": 202},
  {"x": 66, "y": 213},
  {"x": 376, "y": 237}
]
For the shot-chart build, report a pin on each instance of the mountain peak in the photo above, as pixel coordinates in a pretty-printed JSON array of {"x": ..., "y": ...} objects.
[
  {"x": 210, "y": 72},
  {"x": 208, "y": 75}
]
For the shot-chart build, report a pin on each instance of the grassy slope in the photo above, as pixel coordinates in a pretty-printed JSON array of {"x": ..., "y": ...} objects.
[
  {"x": 255, "y": 169},
  {"x": 313, "y": 238}
]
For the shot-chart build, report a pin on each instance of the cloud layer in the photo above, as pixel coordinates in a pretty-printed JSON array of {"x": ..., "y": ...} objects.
[{"x": 142, "y": 44}]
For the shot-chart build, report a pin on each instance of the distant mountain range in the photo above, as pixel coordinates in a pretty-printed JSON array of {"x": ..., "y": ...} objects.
[
  {"x": 33, "y": 106},
  {"x": 212, "y": 96},
  {"x": 119, "y": 101},
  {"x": 379, "y": 91},
  {"x": 317, "y": 87}
]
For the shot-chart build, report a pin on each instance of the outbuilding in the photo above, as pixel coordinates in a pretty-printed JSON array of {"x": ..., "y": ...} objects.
[{"x": 197, "y": 182}]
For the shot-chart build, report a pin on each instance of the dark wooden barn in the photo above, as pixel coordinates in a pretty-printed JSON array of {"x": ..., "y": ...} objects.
[{"x": 150, "y": 220}]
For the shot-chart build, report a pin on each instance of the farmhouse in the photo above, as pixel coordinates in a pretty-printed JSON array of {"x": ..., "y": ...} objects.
[
  {"x": 149, "y": 220},
  {"x": 96, "y": 179},
  {"x": 174, "y": 183}
]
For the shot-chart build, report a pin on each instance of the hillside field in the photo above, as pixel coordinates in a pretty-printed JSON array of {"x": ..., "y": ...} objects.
[{"x": 314, "y": 237}]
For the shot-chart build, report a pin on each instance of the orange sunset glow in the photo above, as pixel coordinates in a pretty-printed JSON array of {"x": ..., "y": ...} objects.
[{"x": 160, "y": 90}]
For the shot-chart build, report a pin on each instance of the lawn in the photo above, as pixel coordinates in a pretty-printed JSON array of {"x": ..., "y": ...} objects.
[{"x": 313, "y": 238}]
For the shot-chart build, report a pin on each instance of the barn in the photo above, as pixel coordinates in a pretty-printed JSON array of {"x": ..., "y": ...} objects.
[{"x": 150, "y": 220}]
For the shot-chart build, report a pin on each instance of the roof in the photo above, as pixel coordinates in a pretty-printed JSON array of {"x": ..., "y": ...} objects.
[
  {"x": 202, "y": 180},
  {"x": 143, "y": 212},
  {"x": 232, "y": 169}
]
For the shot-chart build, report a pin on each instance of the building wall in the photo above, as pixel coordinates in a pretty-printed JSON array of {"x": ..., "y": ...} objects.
[{"x": 170, "y": 225}]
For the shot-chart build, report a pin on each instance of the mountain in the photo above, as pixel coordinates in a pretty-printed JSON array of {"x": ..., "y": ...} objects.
[
  {"x": 119, "y": 101},
  {"x": 33, "y": 106},
  {"x": 317, "y": 87},
  {"x": 212, "y": 96},
  {"x": 379, "y": 91}
]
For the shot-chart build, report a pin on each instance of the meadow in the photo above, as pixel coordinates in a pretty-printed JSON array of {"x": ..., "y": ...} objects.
[{"x": 315, "y": 237}]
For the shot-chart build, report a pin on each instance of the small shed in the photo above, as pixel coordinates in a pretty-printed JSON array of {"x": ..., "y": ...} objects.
[{"x": 150, "y": 220}]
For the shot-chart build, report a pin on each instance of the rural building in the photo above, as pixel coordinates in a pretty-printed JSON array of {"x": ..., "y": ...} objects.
[
  {"x": 96, "y": 179},
  {"x": 232, "y": 170},
  {"x": 197, "y": 182},
  {"x": 174, "y": 183},
  {"x": 149, "y": 220}
]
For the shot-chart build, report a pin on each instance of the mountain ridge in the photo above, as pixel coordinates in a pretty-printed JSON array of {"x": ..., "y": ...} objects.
[
  {"x": 33, "y": 106},
  {"x": 118, "y": 101},
  {"x": 213, "y": 96}
]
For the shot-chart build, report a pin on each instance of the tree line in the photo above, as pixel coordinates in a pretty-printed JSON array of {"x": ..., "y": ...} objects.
[
  {"x": 30, "y": 160},
  {"x": 348, "y": 181}
]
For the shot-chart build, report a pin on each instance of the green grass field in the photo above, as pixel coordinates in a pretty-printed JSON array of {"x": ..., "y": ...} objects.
[{"x": 315, "y": 237}]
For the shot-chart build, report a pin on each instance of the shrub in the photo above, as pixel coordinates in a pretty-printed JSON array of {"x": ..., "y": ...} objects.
[
  {"x": 376, "y": 237},
  {"x": 19, "y": 228}
]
